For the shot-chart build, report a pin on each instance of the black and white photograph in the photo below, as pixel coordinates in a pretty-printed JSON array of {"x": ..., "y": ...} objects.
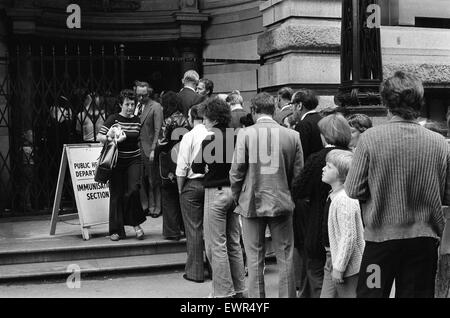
[{"x": 216, "y": 152}]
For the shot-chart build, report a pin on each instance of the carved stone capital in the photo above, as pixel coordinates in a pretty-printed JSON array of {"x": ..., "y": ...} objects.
[{"x": 301, "y": 35}]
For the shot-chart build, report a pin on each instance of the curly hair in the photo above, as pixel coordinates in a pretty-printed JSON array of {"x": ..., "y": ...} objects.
[
  {"x": 360, "y": 122},
  {"x": 219, "y": 111},
  {"x": 403, "y": 95},
  {"x": 209, "y": 85},
  {"x": 171, "y": 103},
  {"x": 126, "y": 94}
]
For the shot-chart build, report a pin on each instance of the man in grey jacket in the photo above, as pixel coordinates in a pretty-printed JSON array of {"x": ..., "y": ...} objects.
[
  {"x": 267, "y": 158},
  {"x": 151, "y": 115}
]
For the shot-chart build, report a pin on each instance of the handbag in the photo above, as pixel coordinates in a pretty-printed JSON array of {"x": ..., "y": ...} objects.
[
  {"x": 167, "y": 165},
  {"x": 106, "y": 162}
]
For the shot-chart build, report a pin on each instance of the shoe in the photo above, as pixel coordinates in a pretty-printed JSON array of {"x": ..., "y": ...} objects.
[
  {"x": 173, "y": 238},
  {"x": 140, "y": 234},
  {"x": 114, "y": 237},
  {"x": 155, "y": 215},
  {"x": 193, "y": 280}
]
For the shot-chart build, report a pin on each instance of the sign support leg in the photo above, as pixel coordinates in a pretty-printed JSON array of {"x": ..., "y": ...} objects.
[{"x": 58, "y": 194}]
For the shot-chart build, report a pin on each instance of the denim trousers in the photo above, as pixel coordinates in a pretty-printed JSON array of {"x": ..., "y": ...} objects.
[
  {"x": 222, "y": 242},
  {"x": 281, "y": 230},
  {"x": 191, "y": 202},
  {"x": 331, "y": 289}
]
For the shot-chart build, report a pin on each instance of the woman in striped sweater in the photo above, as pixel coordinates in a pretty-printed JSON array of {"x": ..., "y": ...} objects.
[{"x": 124, "y": 206}]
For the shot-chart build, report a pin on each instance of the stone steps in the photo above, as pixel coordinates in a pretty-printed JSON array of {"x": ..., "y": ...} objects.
[
  {"x": 63, "y": 269},
  {"x": 41, "y": 254}
]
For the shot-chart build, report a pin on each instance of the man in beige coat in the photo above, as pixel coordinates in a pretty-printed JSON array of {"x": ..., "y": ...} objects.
[{"x": 266, "y": 160}]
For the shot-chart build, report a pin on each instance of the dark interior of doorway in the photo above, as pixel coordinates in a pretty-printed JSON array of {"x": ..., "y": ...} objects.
[{"x": 162, "y": 75}]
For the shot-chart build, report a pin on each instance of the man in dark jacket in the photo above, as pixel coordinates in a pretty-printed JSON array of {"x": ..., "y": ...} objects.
[
  {"x": 235, "y": 101},
  {"x": 309, "y": 118},
  {"x": 285, "y": 107},
  {"x": 188, "y": 94}
]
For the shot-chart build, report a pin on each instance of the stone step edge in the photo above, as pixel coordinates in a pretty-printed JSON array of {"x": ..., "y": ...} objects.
[
  {"x": 178, "y": 260},
  {"x": 91, "y": 247}
]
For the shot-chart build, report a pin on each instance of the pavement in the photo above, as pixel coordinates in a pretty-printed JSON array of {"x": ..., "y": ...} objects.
[
  {"x": 28, "y": 251},
  {"x": 31, "y": 233},
  {"x": 154, "y": 285}
]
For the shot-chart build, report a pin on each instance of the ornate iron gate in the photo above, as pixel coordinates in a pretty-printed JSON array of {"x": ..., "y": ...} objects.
[
  {"x": 53, "y": 98},
  {"x": 56, "y": 95}
]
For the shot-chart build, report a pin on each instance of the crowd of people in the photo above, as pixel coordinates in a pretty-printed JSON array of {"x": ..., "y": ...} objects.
[{"x": 350, "y": 207}]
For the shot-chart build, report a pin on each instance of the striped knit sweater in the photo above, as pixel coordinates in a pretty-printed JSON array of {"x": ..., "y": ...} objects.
[
  {"x": 129, "y": 148},
  {"x": 346, "y": 234},
  {"x": 401, "y": 172}
]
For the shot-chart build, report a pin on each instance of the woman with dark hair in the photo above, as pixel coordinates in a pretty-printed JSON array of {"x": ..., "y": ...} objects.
[
  {"x": 124, "y": 206},
  {"x": 359, "y": 123},
  {"x": 220, "y": 223},
  {"x": 174, "y": 126},
  {"x": 308, "y": 187}
]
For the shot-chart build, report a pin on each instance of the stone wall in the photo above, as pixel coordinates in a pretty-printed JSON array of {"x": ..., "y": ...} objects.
[
  {"x": 301, "y": 46},
  {"x": 232, "y": 34}
]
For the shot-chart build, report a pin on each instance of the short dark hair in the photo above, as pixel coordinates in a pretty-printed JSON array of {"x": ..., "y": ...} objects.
[
  {"x": 209, "y": 85},
  {"x": 197, "y": 111},
  {"x": 218, "y": 110},
  {"x": 147, "y": 85},
  {"x": 126, "y": 94},
  {"x": 263, "y": 103},
  {"x": 285, "y": 93},
  {"x": 171, "y": 103},
  {"x": 403, "y": 95},
  {"x": 307, "y": 97},
  {"x": 360, "y": 122},
  {"x": 246, "y": 120}
]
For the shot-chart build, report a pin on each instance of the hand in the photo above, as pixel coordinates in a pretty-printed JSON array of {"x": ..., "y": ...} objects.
[
  {"x": 171, "y": 176},
  {"x": 121, "y": 137},
  {"x": 337, "y": 277},
  {"x": 152, "y": 156}
]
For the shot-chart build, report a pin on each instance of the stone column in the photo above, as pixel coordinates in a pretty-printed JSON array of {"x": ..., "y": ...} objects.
[
  {"x": 361, "y": 67},
  {"x": 190, "y": 22},
  {"x": 300, "y": 46}
]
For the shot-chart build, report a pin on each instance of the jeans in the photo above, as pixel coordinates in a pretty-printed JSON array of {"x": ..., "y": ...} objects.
[
  {"x": 222, "y": 243},
  {"x": 332, "y": 290},
  {"x": 281, "y": 229},
  {"x": 191, "y": 202}
]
